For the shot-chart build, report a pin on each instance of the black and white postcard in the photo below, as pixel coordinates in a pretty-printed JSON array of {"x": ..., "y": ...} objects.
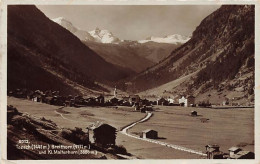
[{"x": 129, "y": 80}]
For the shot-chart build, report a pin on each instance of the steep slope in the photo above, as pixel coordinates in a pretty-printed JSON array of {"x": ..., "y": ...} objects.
[
  {"x": 220, "y": 55},
  {"x": 132, "y": 55},
  {"x": 44, "y": 55},
  {"x": 121, "y": 55},
  {"x": 81, "y": 34}
]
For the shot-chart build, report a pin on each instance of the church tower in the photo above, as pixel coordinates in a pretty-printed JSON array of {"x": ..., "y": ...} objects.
[{"x": 115, "y": 92}]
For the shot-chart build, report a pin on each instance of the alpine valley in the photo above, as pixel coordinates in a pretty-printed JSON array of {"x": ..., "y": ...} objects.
[{"x": 215, "y": 63}]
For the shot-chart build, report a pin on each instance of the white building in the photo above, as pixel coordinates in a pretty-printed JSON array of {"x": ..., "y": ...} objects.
[
  {"x": 170, "y": 100},
  {"x": 187, "y": 102}
]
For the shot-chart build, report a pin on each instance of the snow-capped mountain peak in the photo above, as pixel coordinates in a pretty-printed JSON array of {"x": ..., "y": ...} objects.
[
  {"x": 97, "y": 35},
  {"x": 81, "y": 34},
  {"x": 103, "y": 36},
  {"x": 65, "y": 23},
  {"x": 171, "y": 39}
]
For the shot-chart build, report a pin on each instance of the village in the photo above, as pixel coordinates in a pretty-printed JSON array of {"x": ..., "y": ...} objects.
[
  {"x": 54, "y": 98},
  {"x": 103, "y": 135}
]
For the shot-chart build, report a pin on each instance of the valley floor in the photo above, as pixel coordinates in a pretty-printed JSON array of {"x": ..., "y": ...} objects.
[{"x": 227, "y": 128}]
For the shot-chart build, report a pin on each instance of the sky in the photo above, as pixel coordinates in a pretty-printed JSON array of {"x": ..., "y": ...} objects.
[{"x": 133, "y": 22}]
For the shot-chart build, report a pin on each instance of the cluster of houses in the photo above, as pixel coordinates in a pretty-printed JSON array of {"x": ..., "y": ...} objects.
[
  {"x": 213, "y": 152},
  {"x": 186, "y": 101},
  {"x": 54, "y": 98}
]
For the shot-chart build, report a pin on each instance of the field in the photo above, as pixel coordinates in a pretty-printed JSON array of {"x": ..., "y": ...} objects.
[{"x": 227, "y": 128}]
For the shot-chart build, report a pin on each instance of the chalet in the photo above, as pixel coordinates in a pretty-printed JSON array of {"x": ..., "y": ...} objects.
[
  {"x": 233, "y": 151},
  {"x": 79, "y": 100},
  {"x": 237, "y": 153},
  {"x": 37, "y": 99},
  {"x": 162, "y": 101},
  {"x": 193, "y": 113},
  {"x": 69, "y": 97},
  {"x": 146, "y": 102},
  {"x": 114, "y": 101},
  {"x": 134, "y": 99},
  {"x": 37, "y": 96},
  {"x": 58, "y": 100},
  {"x": 90, "y": 101},
  {"x": 30, "y": 95},
  {"x": 101, "y": 134},
  {"x": 10, "y": 93},
  {"x": 100, "y": 99},
  {"x": 55, "y": 93},
  {"x": 72, "y": 102},
  {"x": 125, "y": 98},
  {"x": 19, "y": 93},
  {"x": 48, "y": 100},
  {"x": 150, "y": 134},
  {"x": 213, "y": 152},
  {"x": 126, "y": 103}
]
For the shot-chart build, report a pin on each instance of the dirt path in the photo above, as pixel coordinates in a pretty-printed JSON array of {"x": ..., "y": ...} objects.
[
  {"x": 62, "y": 115},
  {"x": 177, "y": 147}
]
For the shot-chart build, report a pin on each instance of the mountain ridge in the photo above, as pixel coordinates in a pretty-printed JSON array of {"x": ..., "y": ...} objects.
[
  {"x": 37, "y": 59},
  {"x": 105, "y": 36},
  {"x": 221, "y": 51}
]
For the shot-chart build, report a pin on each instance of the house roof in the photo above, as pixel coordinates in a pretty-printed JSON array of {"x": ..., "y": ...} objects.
[
  {"x": 212, "y": 145},
  {"x": 243, "y": 152},
  {"x": 240, "y": 154},
  {"x": 148, "y": 130},
  {"x": 99, "y": 124},
  {"x": 234, "y": 149}
]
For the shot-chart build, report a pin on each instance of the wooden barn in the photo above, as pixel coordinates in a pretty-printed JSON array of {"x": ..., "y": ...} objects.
[
  {"x": 162, "y": 101},
  {"x": 237, "y": 153},
  {"x": 114, "y": 101},
  {"x": 213, "y": 152},
  {"x": 101, "y": 134},
  {"x": 148, "y": 133},
  {"x": 193, "y": 113}
]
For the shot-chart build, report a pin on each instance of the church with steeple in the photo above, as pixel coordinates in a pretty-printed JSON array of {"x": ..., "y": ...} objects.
[{"x": 115, "y": 92}]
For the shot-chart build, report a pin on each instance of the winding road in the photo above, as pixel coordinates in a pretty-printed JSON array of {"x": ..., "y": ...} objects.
[
  {"x": 147, "y": 117},
  {"x": 177, "y": 147}
]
